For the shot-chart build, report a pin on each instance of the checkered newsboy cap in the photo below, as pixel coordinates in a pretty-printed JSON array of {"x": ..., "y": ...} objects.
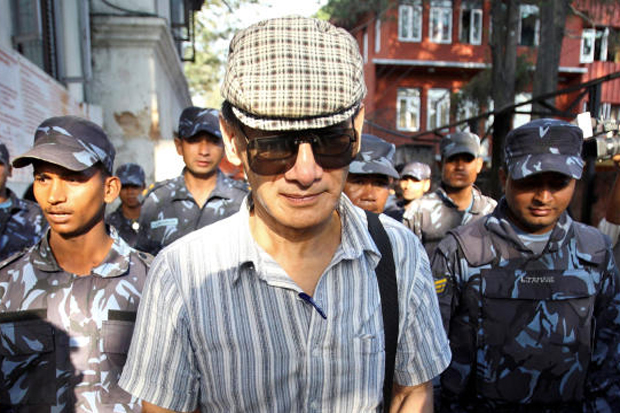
[
  {"x": 416, "y": 170},
  {"x": 194, "y": 119},
  {"x": 4, "y": 154},
  {"x": 131, "y": 174},
  {"x": 376, "y": 156},
  {"x": 460, "y": 142},
  {"x": 71, "y": 142},
  {"x": 544, "y": 145},
  {"x": 293, "y": 73}
]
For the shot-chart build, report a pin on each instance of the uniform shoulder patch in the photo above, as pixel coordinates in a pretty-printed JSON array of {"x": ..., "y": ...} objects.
[
  {"x": 13, "y": 258},
  {"x": 145, "y": 257},
  {"x": 440, "y": 285}
]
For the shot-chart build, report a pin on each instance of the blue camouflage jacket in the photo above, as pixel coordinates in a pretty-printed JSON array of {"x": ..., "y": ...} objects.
[
  {"x": 529, "y": 332},
  {"x": 21, "y": 225},
  {"x": 169, "y": 210}
]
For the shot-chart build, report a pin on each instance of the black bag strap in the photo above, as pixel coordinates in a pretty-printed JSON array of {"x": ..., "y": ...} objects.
[{"x": 388, "y": 289}]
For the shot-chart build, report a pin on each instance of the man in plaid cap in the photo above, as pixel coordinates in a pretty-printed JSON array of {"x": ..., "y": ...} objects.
[
  {"x": 277, "y": 308},
  {"x": 21, "y": 221},
  {"x": 68, "y": 304},
  {"x": 370, "y": 174},
  {"x": 125, "y": 218},
  {"x": 529, "y": 297},
  {"x": 201, "y": 195},
  {"x": 457, "y": 201}
]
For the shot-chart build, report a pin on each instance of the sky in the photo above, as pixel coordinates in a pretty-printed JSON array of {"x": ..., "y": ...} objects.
[{"x": 265, "y": 9}]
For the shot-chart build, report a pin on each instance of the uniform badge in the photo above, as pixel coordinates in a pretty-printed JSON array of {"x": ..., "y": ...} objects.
[{"x": 440, "y": 285}]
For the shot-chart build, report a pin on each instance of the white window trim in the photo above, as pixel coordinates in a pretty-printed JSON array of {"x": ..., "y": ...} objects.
[
  {"x": 604, "y": 45},
  {"x": 446, "y": 96},
  {"x": 411, "y": 100},
  {"x": 430, "y": 26},
  {"x": 415, "y": 37},
  {"x": 378, "y": 35},
  {"x": 536, "y": 27},
  {"x": 587, "y": 35},
  {"x": 365, "y": 40},
  {"x": 473, "y": 41}
]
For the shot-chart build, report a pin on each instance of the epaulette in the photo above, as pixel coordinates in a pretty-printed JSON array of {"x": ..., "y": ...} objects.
[
  {"x": 155, "y": 186},
  {"x": 591, "y": 243},
  {"x": 12, "y": 258},
  {"x": 145, "y": 257},
  {"x": 474, "y": 241},
  {"x": 241, "y": 185}
]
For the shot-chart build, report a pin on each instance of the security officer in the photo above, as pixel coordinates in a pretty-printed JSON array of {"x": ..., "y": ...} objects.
[
  {"x": 125, "y": 218},
  {"x": 530, "y": 298},
  {"x": 457, "y": 201},
  {"x": 415, "y": 181},
  {"x": 68, "y": 304},
  {"x": 371, "y": 173},
  {"x": 200, "y": 196},
  {"x": 21, "y": 221}
]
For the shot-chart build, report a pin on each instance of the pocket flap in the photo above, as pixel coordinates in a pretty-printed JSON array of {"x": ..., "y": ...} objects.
[
  {"x": 116, "y": 336},
  {"x": 26, "y": 337},
  {"x": 537, "y": 284}
]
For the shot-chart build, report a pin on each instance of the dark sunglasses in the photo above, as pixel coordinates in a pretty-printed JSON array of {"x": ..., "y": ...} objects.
[{"x": 271, "y": 155}]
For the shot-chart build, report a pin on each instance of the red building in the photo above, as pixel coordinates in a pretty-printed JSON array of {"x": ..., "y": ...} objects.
[{"x": 417, "y": 53}]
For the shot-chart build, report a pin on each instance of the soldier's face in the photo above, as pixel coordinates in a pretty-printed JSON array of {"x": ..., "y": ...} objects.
[
  {"x": 73, "y": 202},
  {"x": 369, "y": 192},
  {"x": 460, "y": 171},
  {"x": 412, "y": 188},
  {"x": 202, "y": 153},
  {"x": 536, "y": 202},
  {"x": 5, "y": 172},
  {"x": 130, "y": 195}
]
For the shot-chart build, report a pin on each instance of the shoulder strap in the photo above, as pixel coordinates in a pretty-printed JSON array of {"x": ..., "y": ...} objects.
[{"x": 388, "y": 289}]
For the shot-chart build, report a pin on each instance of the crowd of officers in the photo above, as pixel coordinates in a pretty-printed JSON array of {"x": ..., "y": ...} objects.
[{"x": 506, "y": 305}]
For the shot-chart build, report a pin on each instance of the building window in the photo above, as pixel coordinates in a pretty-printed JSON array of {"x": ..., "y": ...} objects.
[
  {"x": 34, "y": 33},
  {"x": 408, "y": 109},
  {"x": 594, "y": 45},
  {"x": 365, "y": 41},
  {"x": 440, "y": 22},
  {"x": 520, "y": 119},
  {"x": 529, "y": 25},
  {"x": 410, "y": 22},
  {"x": 587, "y": 46},
  {"x": 470, "y": 30},
  {"x": 438, "y": 109},
  {"x": 378, "y": 35}
]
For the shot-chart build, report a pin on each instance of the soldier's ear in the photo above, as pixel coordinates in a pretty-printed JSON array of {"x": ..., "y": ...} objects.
[
  {"x": 479, "y": 164},
  {"x": 228, "y": 136},
  {"x": 358, "y": 124},
  {"x": 427, "y": 185},
  {"x": 112, "y": 187}
]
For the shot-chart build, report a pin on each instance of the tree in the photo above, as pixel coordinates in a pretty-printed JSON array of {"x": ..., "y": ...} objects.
[{"x": 346, "y": 13}]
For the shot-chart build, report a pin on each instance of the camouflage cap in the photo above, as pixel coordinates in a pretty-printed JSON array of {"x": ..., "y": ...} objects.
[
  {"x": 194, "y": 119},
  {"x": 544, "y": 145},
  {"x": 460, "y": 142},
  {"x": 416, "y": 170},
  {"x": 71, "y": 142},
  {"x": 4, "y": 154},
  {"x": 131, "y": 174},
  {"x": 376, "y": 156},
  {"x": 293, "y": 73}
]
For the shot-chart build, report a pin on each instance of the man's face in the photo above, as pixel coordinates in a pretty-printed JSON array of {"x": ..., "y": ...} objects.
[
  {"x": 368, "y": 191},
  {"x": 536, "y": 202},
  {"x": 5, "y": 172},
  {"x": 302, "y": 198},
  {"x": 201, "y": 153},
  {"x": 130, "y": 195},
  {"x": 413, "y": 188},
  {"x": 460, "y": 171},
  {"x": 72, "y": 202}
]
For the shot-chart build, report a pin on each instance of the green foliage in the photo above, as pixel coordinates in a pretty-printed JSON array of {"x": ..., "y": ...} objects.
[{"x": 346, "y": 13}]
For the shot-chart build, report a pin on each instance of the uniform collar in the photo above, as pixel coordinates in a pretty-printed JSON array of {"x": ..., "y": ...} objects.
[
  {"x": 115, "y": 264},
  {"x": 476, "y": 205},
  {"x": 222, "y": 187},
  {"x": 499, "y": 224}
]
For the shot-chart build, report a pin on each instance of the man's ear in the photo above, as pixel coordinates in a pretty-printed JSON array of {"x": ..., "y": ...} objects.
[
  {"x": 427, "y": 185},
  {"x": 358, "y": 124},
  {"x": 479, "y": 164},
  {"x": 178, "y": 145},
  {"x": 112, "y": 187},
  {"x": 228, "y": 136}
]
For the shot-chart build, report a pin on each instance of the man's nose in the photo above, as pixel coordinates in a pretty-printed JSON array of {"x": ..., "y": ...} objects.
[{"x": 306, "y": 170}]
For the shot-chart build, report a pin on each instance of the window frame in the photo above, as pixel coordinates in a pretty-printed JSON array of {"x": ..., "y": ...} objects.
[
  {"x": 443, "y": 10},
  {"x": 522, "y": 9},
  {"x": 432, "y": 112},
  {"x": 413, "y": 116},
  {"x": 470, "y": 35},
  {"x": 415, "y": 13}
]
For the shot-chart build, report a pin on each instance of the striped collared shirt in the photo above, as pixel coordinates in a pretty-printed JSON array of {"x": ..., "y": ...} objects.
[{"x": 223, "y": 327}]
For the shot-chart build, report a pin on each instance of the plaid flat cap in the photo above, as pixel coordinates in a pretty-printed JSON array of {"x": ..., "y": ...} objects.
[
  {"x": 130, "y": 174},
  {"x": 4, "y": 154},
  {"x": 416, "y": 170},
  {"x": 293, "y": 73},
  {"x": 194, "y": 119},
  {"x": 544, "y": 145},
  {"x": 376, "y": 156},
  {"x": 71, "y": 142},
  {"x": 460, "y": 142}
]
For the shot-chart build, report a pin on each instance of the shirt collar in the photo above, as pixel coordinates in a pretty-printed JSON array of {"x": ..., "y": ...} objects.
[
  {"x": 476, "y": 199},
  {"x": 222, "y": 189},
  {"x": 115, "y": 264}
]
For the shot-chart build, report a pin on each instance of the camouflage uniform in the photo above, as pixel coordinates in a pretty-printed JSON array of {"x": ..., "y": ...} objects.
[
  {"x": 127, "y": 228},
  {"x": 433, "y": 215},
  {"x": 532, "y": 330},
  {"x": 169, "y": 210},
  {"x": 21, "y": 225},
  {"x": 64, "y": 338}
]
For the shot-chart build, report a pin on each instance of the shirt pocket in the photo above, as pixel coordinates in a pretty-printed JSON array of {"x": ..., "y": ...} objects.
[
  {"x": 535, "y": 339},
  {"x": 27, "y": 361},
  {"x": 116, "y": 338}
]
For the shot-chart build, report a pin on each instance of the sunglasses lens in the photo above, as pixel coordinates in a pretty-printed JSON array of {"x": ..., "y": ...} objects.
[{"x": 278, "y": 154}]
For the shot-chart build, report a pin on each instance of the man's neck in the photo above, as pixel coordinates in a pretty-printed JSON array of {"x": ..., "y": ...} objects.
[
  {"x": 132, "y": 213},
  {"x": 462, "y": 197},
  {"x": 200, "y": 186},
  {"x": 303, "y": 254},
  {"x": 80, "y": 254}
]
